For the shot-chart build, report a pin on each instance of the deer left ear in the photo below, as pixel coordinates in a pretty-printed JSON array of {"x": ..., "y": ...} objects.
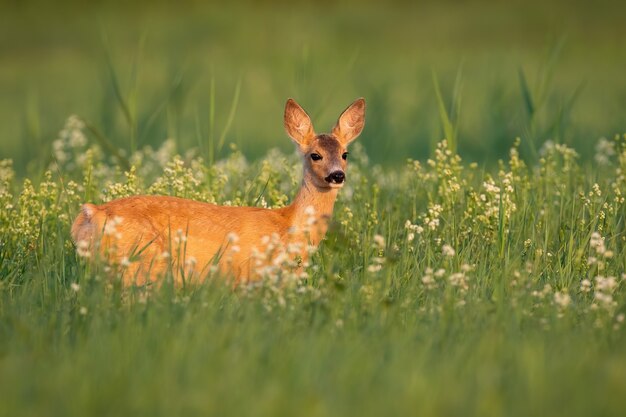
[{"x": 351, "y": 122}]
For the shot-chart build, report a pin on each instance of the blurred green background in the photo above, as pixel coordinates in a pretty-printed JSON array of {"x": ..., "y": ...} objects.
[{"x": 194, "y": 71}]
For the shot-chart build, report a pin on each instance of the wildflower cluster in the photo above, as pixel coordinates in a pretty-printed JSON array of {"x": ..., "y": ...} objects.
[
  {"x": 598, "y": 283},
  {"x": 431, "y": 237},
  {"x": 37, "y": 213},
  {"x": 378, "y": 259},
  {"x": 70, "y": 146},
  {"x": 279, "y": 272}
]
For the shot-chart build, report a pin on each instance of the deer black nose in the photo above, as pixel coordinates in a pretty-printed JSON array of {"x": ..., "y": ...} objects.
[{"x": 337, "y": 177}]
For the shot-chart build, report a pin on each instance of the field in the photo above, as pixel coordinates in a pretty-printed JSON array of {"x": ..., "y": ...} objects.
[{"x": 476, "y": 263}]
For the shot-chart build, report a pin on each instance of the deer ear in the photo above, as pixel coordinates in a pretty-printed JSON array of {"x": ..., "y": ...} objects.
[
  {"x": 351, "y": 122},
  {"x": 298, "y": 124}
]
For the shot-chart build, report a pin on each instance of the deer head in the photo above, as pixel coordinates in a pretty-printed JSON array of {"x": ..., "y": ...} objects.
[{"x": 325, "y": 155}]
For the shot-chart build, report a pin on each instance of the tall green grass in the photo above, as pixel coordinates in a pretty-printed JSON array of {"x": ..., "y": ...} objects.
[
  {"x": 441, "y": 288},
  {"x": 142, "y": 75},
  {"x": 479, "y": 275}
]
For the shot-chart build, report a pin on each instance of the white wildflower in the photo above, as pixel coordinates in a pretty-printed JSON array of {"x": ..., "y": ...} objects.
[
  {"x": 603, "y": 298},
  {"x": 110, "y": 229},
  {"x": 448, "y": 250},
  {"x": 294, "y": 248},
  {"x": 414, "y": 228},
  {"x": 491, "y": 188},
  {"x": 604, "y": 151},
  {"x": 458, "y": 279},
  {"x": 606, "y": 284},
  {"x": 585, "y": 285},
  {"x": 280, "y": 259},
  {"x": 547, "y": 289},
  {"x": 597, "y": 243},
  {"x": 562, "y": 299},
  {"x": 180, "y": 236},
  {"x": 232, "y": 237},
  {"x": 428, "y": 281},
  {"x": 82, "y": 249},
  {"x": 379, "y": 241},
  {"x": 378, "y": 260}
]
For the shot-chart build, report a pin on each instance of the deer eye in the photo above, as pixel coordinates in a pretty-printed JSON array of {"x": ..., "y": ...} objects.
[
  {"x": 345, "y": 155},
  {"x": 316, "y": 156}
]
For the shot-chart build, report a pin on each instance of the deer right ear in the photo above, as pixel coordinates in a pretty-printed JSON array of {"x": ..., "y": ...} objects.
[{"x": 298, "y": 124}]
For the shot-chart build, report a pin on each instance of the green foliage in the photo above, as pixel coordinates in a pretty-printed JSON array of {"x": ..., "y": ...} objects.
[
  {"x": 141, "y": 74},
  {"x": 444, "y": 286},
  {"x": 440, "y": 289}
]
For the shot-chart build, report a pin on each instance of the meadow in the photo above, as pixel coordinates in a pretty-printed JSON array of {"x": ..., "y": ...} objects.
[{"x": 476, "y": 262}]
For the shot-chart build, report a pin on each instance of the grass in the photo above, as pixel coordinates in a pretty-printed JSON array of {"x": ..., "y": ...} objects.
[
  {"x": 481, "y": 275},
  {"x": 144, "y": 74},
  {"x": 441, "y": 289}
]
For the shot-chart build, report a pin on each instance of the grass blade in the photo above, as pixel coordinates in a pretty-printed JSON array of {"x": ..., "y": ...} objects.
[
  {"x": 211, "y": 155},
  {"x": 108, "y": 145},
  {"x": 114, "y": 81},
  {"x": 448, "y": 126},
  {"x": 527, "y": 95},
  {"x": 231, "y": 116}
]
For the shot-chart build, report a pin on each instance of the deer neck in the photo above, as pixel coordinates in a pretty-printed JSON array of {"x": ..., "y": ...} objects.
[{"x": 312, "y": 209}]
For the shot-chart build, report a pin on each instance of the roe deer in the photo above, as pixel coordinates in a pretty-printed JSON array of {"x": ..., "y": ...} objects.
[{"x": 142, "y": 227}]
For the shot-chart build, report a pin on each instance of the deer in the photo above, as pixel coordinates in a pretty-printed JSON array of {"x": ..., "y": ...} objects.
[{"x": 141, "y": 228}]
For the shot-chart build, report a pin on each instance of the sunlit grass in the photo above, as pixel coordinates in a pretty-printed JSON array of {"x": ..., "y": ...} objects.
[
  {"x": 479, "y": 275},
  {"x": 440, "y": 289},
  {"x": 142, "y": 75}
]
